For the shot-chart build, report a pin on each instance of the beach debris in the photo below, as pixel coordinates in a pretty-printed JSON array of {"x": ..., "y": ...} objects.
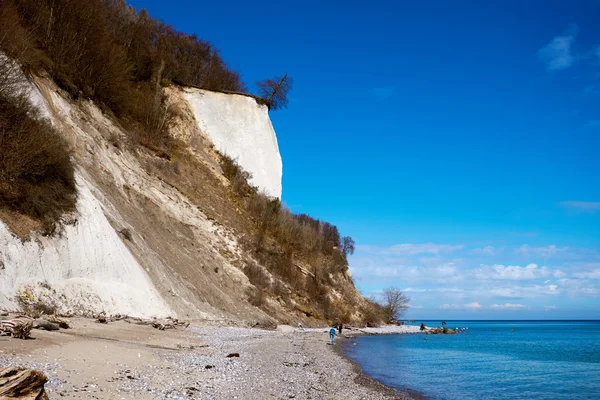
[
  {"x": 169, "y": 323},
  {"x": 295, "y": 364},
  {"x": 160, "y": 324},
  {"x": 45, "y": 325},
  {"x": 209, "y": 366},
  {"x": 21, "y": 383},
  {"x": 19, "y": 327},
  {"x": 188, "y": 347},
  {"x": 62, "y": 323},
  {"x": 102, "y": 319},
  {"x": 230, "y": 355}
]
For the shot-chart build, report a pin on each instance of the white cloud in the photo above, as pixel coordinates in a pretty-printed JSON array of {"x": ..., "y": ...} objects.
[
  {"x": 436, "y": 290},
  {"x": 527, "y": 291},
  {"x": 550, "y": 308},
  {"x": 544, "y": 252},
  {"x": 450, "y": 307},
  {"x": 582, "y": 206},
  {"x": 579, "y": 287},
  {"x": 487, "y": 251},
  {"x": 558, "y": 54},
  {"x": 470, "y": 306},
  {"x": 515, "y": 272},
  {"x": 508, "y": 306},
  {"x": 409, "y": 249},
  {"x": 448, "y": 290},
  {"x": 595, "y": 274},
  {"x": 415, "y": 307},
  {"x": 453, "y": 276}
]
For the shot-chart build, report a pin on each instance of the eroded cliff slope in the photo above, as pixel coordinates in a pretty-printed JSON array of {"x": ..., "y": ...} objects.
[{"x": 163, "y": 232}]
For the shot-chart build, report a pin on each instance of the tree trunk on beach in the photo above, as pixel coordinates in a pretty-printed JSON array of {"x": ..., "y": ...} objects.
[{"x": 22, "y": 384}]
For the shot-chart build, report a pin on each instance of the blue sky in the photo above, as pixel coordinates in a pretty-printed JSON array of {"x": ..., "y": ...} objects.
[{"x": 457, "y": 142}]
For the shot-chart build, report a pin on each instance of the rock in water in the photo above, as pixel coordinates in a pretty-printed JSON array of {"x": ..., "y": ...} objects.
[{"x": 22, "y": 384}]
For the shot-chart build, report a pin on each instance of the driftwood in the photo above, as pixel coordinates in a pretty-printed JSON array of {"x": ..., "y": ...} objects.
[
  {"x": 62, "y": 323},
  {"x": 22, "y": 384},
  {"x": 19, "y": 328},
  {"x": 47, "y": 325},
  {"x": 160, "y": 324}
]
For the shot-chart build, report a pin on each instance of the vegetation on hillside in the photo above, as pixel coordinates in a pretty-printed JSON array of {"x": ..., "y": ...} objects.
[
  {"x": 306, "y": 254},
  {"x": 36, "y": 173},
  {"x": 106, "y": 51}
]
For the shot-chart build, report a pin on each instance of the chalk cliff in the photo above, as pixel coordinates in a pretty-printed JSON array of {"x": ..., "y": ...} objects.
[
  {"x": 159, "y": 235},
  {"x": 240, "y": 128}
]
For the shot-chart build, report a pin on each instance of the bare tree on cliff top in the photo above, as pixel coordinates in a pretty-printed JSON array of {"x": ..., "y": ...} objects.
[
  {"x": 395, "y": 303},
  {"x": 275, "y": 91},
  {"x": 347, "y": 246}
]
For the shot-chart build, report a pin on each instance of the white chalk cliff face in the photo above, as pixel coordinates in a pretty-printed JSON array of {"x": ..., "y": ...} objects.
[
  {"x": 240, "y": 128},
  {"x": 174, "y": 260},
  {"x": 88, "y": 267}
]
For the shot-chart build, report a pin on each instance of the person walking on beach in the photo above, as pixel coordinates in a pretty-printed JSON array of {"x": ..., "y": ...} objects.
[
  {"x": 331, "y": 335},
  {"x": 340, "y": 327}
]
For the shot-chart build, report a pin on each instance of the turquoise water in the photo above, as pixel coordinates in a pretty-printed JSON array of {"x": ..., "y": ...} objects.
[{"x": 536, "y": 360}]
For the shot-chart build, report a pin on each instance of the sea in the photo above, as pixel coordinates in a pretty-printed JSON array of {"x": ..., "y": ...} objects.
[{"x": 489, "y": 360}]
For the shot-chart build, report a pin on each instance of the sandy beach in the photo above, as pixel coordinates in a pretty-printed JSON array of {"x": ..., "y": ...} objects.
[{"x": 120, "y": 360}]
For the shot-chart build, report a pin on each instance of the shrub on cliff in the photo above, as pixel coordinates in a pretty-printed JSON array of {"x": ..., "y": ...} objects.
[
  {"x": 305, "y": 253},
  {"x": 373, "y": 313},
  {"x": 36, "y": 173},
  {"x": 236, "y": 176}
]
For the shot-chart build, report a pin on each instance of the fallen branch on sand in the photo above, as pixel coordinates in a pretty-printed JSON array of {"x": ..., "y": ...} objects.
[{"x": 24, "y": 384}]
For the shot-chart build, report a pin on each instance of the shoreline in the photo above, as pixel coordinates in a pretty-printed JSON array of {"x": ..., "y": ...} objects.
[
  {"x": 128, "y": 361},
  {"x": 364, "y": 379}
]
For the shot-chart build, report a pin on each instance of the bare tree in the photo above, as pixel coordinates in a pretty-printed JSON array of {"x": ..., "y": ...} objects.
[
  {"x": 395, "y": 303},
  {"x": 275, "y": 91},
  {"x": 347, "y": 246}
]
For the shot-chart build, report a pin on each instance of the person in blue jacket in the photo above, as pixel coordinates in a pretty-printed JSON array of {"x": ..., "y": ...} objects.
[{"x": 331, "y": 335}]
